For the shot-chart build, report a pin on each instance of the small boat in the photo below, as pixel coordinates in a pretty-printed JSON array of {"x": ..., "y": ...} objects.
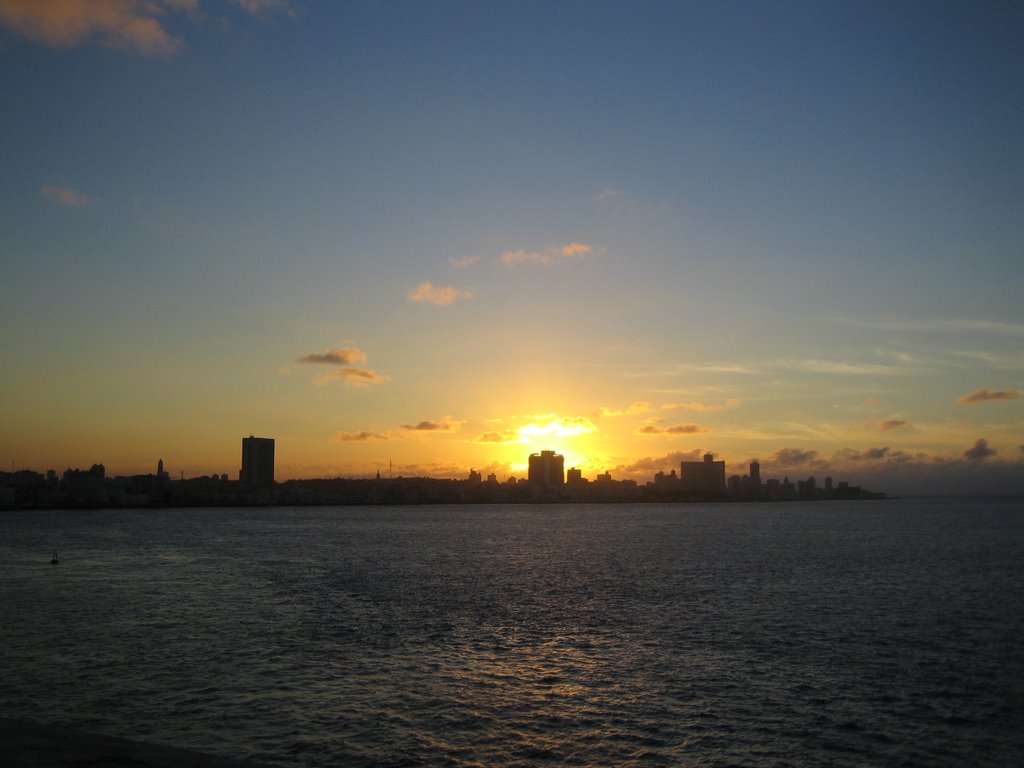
[{"x": 54, "y": 560}]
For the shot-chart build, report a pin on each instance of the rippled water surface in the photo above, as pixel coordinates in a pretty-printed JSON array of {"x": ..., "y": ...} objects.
[{"x": 870, "y": 633}]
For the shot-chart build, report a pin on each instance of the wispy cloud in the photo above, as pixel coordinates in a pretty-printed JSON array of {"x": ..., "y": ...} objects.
[
  {"x": 344, "y": 356},
  {"x": 346, "y": 372},
  {"x": 139, "y": 25},
  {"x": 117, "y": 23},
  {"x": 465, "y": 261},
  {"x": 843, "y": 367},
  {"x": 358, "y": 437},
  {"x": 496, "y": 437},
  {"x": 699, "y": 407},
  {"x": 607, "y": 194},
  {"x": 793, "y": 457},
  {"x": 447, "y": 424},
  {"x": 945, "y": 326},
  {"x": 677, "y": 429},
  {"x": 441, "y": 295},
  {"x": 263, "y": 6},
  {"x": 66, "y": 195},
  {"x": 548, "y": 256},
  {"x": 890, "y": 424},
  {"x": 987, "y": 395},
  {"x": 639, "y": 406},
  {"x": 980, "y": 450}
]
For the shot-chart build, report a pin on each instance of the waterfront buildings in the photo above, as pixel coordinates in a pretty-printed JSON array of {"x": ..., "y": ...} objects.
[
  {"x": 547, "y": 471},
  {"x": 257, "y": 462},
  {"x": 706, "y": 476}
]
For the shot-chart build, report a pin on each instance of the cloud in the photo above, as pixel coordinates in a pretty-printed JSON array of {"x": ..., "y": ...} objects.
[
  {"x": 66, "y": 195},
  {"x": 638, "y": 407},
  {"x": 890, "y": 424},
  {"x": 358, "y": 437},
  {"x": 670, "y": 460},
  {"x": 358, "y": 377},
  {"x": 548, "y": 256},
  {"x": 442, "y": 295},
  {"x": 346, "y": 372},
  {"x": 732, "y": 402},
  {"x": 506, "y": 436},
  {"x": 117, "y": 23},
  {"x": 564, "y": 426},
  {"x": 980, "y": 450},
  {"x": 678, "y": 429},
  {"x": 793, "y": 457},
  {"x": 607, "y": 194},
  {"x": 841, "y": 367},
  {"x": 945, "y": 325},
  {"x": 257, "y": 7},
  {"x": 465, "y": 261},
  {"x": 984, "y": 395},
  {"x": 344, "y": 356},
  {"x": 447, "y": 424}
]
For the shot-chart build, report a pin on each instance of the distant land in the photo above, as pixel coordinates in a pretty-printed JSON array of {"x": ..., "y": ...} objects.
[{"x": 547, "y": 480}]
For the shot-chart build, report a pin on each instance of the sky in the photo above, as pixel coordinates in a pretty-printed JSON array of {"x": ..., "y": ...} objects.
[{"x": 423, "y": 238}]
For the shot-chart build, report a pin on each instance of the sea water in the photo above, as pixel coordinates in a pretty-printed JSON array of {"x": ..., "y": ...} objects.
[{"x": 806, "y": 634}]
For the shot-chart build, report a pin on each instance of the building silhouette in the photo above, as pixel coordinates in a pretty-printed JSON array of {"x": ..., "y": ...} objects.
[
  {"x": 547, "y": 470},
  {"x": 706, "y": 476},
  {"x": 257, "y": 462}
]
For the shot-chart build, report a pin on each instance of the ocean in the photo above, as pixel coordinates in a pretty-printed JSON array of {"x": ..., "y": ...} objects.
[{"x": 876, "y": 633}]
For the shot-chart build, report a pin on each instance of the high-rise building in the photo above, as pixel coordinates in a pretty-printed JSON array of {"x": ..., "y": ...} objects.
[
  {"x": 257, "y": 462},
  {"x": 547, "y": 469},
  {"x": 706, "y": 476}
]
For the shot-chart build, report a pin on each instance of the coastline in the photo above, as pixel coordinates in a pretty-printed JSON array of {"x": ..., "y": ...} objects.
[{"x": 29, "y": 744}]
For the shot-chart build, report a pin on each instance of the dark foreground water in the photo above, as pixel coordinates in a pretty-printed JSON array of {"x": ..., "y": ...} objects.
[{"x": 855, "y": 634}]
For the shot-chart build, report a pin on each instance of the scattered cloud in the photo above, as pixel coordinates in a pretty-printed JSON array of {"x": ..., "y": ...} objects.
[
  {"x": 344, "y": 356},
  {"x": 441, "y": 295},
  {"x": 946, "y": 325},
  {"x": 257, "y": 7},
  {"x": 985, "y": 395},
  {"x": 447, "y": 424},
  {"x": 504, "y": 436},
  {"x": 359, "y": 377},
  {"x": 670, "y": 460},
  {"x": 842, "y": 367},
  {"x": 346, "y": 372},
  {"x": 732, "y": 402},
  {"x": 638, "y": 407},
  {"x": 564, "y": 426},
  {"x": 358, "y": 437},
  {"x": 117, "y": 23},
  {"x": 66, "y": 195},
  {"x": 891, "y": 424},
  {"x": 139, "y": 25},
  {"x": 465, "y": 261},
  {"x": 793, "y": 457},
  {"x": 678, "y": 429},
  {"x": 548, "y": 256},
  {"x": 980, "y": 450},
  {"x": 607, "y": 194}
]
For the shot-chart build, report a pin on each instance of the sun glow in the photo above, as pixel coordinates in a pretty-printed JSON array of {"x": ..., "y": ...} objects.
[{"x": 567, "y": 426}]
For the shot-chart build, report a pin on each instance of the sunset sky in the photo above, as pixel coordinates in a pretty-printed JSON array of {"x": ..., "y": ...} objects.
[{"x": 444, "y": 235}]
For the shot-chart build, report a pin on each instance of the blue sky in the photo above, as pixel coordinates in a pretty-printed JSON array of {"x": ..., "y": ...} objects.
[{"x": 776, "y": 226}]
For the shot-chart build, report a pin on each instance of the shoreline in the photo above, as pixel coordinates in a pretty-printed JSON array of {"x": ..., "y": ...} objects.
[{"x": 30, "y": 744}]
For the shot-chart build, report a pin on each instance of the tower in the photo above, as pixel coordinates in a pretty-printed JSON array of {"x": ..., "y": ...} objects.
[
  {"x": 257, "y": 462},
  {"x": 547, "y": 469}
]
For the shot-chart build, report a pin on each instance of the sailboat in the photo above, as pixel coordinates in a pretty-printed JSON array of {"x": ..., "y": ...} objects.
[{"x": 54, "y": 560}]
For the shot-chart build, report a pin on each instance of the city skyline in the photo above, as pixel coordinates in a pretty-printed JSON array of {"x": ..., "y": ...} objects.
[{"x": 442, "y": 238}]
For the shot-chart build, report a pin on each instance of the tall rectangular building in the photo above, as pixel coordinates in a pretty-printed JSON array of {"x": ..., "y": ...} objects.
[
  {"x": 547, "y": 469},
  {"x": 706, "y": 476},
  {"x": 257, "y": 462}
]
